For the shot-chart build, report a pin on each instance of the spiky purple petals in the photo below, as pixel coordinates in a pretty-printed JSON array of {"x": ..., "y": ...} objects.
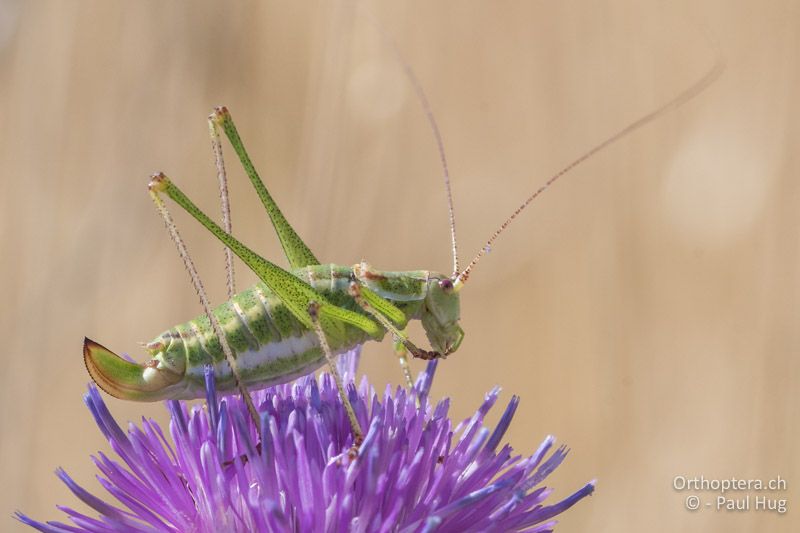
[{"x": 413, "y": 472}]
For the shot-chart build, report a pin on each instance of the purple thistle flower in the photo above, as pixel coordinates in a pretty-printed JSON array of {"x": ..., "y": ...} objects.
[{"x": 413, "y": 473}]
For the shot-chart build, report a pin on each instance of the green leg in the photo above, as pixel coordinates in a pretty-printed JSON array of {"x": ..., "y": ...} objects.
[
  {"x": 357, "y": 292},
  {"x": 298, "y": 254},
  {"x": 201, "y": 293},
  {"x": 219, "y": 163},
  {"x": 295, "y": 293},
  {"x": 358, "y": 433},
  {"x": 401, "y": 352},
  {"x": 381, "y": 306}
]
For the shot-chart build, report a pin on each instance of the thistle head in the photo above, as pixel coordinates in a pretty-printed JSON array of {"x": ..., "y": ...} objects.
[{"x": 416, "y": 470}]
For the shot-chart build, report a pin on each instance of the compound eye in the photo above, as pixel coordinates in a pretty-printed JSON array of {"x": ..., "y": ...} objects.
[{"x": 446, "y": 284}]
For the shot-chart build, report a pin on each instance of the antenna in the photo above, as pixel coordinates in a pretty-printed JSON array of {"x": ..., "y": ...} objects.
[
  {"x": 426, "y": 108},
  {"x": 684, "y": 96}
]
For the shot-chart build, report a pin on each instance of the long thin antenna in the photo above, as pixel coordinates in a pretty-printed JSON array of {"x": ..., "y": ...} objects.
[
  {"x": 686, "y": 95},
  {"x": 426, "y": 108}
]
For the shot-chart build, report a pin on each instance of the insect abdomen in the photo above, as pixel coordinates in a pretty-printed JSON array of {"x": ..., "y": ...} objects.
[{"x": 270, "y": 345}]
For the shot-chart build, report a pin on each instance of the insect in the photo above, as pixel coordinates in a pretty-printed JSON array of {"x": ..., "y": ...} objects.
[{"x": 296, "y": 320}]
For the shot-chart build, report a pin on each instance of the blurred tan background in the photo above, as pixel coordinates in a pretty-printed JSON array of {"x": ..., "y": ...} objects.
[{"x": 645, "y": 308}]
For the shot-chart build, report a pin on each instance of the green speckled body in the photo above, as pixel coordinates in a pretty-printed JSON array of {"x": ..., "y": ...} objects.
[
  {"x": 284, "y": 327},
  {"x": 270, "y": 345}
]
